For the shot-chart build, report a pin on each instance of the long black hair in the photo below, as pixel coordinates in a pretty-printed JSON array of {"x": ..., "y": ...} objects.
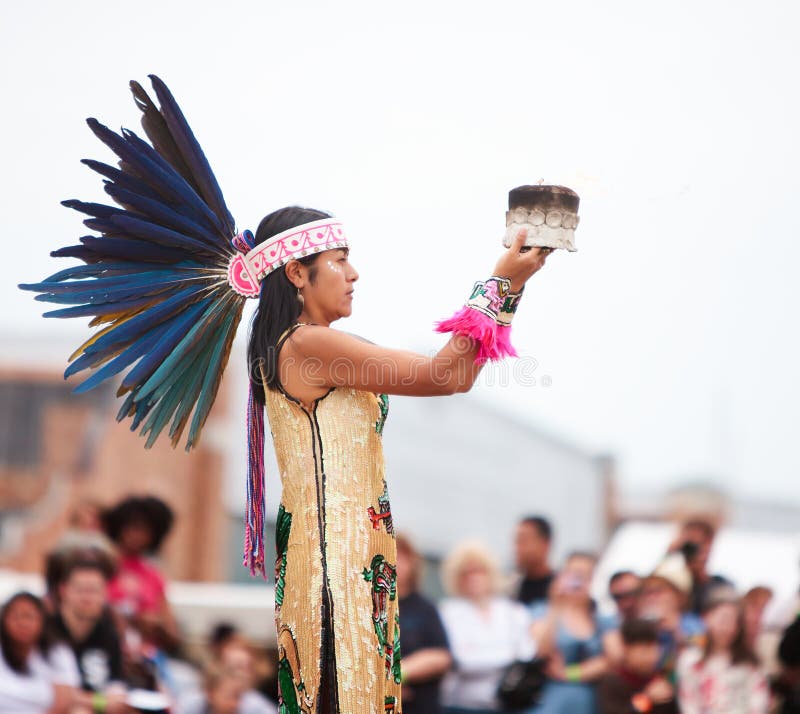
[
  {"x": 278, "y": 306},
  {"x": 11, "y": 654}
]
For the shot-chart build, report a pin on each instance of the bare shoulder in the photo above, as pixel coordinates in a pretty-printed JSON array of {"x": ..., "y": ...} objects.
[{"x": 323, "y": 342}]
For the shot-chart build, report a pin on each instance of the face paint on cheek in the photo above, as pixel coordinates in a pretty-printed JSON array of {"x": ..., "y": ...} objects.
[{"x": 334, "y": 266}]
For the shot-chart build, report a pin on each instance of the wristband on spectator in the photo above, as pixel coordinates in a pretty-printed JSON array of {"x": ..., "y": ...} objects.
[
  {"x": 572, "y": 673},
  {"x": 478, "y": 320},
  {"x": 99, "y": 702}
]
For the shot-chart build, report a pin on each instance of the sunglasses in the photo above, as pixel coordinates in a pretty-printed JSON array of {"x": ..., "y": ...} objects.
[{"x": 625, "y": 594}]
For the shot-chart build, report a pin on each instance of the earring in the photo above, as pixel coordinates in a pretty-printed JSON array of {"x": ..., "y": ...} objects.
[{"x": 300, "y": 298}]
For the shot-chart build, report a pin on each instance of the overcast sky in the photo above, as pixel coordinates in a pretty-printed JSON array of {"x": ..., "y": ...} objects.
[{"x": 670, "y": 338}]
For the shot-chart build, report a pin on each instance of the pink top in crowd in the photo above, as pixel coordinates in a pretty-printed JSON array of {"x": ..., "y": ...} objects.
[{"x": 137, "y": 588}]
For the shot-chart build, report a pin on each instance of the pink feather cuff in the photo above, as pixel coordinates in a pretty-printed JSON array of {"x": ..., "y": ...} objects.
[
  {"x": 478, "y": 321},
  {"x": 494, "y": 342}
]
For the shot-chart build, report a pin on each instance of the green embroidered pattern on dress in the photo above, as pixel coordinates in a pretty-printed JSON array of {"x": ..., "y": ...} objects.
[
  {"x": 282, "y": 528},
  {"x": 383, "y": 403}
]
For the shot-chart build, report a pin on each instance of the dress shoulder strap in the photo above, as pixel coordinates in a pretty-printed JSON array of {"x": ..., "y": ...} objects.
[
  {"x": 288, "y": 332},
  {"x": 285, "y": 335}
]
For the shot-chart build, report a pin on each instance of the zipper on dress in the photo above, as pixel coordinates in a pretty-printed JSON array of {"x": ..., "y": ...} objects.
[{"x": 328, "y": 653}]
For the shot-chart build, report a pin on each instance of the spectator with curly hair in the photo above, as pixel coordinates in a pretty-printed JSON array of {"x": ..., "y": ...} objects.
[{"x": 138, "y": 526}]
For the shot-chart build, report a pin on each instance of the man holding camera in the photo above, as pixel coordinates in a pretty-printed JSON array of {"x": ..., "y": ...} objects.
[{"x": 694, "y": 541}]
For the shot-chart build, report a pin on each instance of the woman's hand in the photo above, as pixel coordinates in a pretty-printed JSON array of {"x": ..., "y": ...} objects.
[
  {"x": 660, "y": 690},
  {"x": 518, "y": 263},
  {"x": 556, "y": 668}
]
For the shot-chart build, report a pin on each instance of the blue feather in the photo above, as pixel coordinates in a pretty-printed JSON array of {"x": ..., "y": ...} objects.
[
  {"x": 141, "y": 279},
  {"x": 103, "y": 309},
  {"x": 127, "y": 406},
  {"x": 163, "y": 214},
  {"x": 190, "y": 390},
  {"x": 138, "y": 250},
  {"x": 183, "y": 390},
  {"x": 116, "y": 365},
  {"x": 192, "y": 154},
  {"x": 140, "y": 413},
  {"x": 84, "y": 271},
  {"x": 178, "y": 352},
  {"x": 155, "y": 279},
  {"x": 190, "y": 362},
  {"x": 169, "y": 184},
  {"x": 144, "y": 372},
  {"x": 93, "y": 356},
  {"x": 147, "y": 319},
  {"x": 87, "y": 255},
  {"x": 165, "y": 236},
  {"x": 150, "y": 153},
  {"x": 175, "y": 389},
  {"x": 92, "y": 209},
  {"x": 211, "y": 380},
  {"x": 122, "y": 179}
]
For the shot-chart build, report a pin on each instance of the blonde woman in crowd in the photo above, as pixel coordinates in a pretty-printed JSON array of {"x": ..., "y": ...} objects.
[{"x": 486, "y": 630}]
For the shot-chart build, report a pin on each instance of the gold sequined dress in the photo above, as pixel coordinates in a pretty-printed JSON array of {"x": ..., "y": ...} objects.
[{"x": 335, "y": 594}]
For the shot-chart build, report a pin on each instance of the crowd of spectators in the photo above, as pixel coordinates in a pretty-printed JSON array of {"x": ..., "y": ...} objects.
[
  {"x": 680, "y": 639},
  {"x": 103, "y": 638}
]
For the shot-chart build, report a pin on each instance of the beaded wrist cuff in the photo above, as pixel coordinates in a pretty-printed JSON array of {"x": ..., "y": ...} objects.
[
  {"x": 487, "y": 296},
  {"x": 508, "y": 308},
  {"x": 478, "y": 319}
]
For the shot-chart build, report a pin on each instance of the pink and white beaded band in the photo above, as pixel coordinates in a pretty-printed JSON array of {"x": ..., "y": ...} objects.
[{"x": 246, "y": 271}]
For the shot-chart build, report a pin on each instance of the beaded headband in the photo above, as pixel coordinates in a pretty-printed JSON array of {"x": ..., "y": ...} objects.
[{"x": 247, "y": 270}]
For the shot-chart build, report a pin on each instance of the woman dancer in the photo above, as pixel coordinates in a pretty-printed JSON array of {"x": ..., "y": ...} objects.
[
  {"x": 170, "y": 274},
  {"x": 326, "y": 401}
]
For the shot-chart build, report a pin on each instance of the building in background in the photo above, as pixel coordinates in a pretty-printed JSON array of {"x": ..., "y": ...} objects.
[
  {"x": 58, "y": 450},
  {"x": 700, "y": 497}
]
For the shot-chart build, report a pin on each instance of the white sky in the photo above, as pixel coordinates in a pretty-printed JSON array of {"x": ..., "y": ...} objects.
[{"x": 670, "y": 337}]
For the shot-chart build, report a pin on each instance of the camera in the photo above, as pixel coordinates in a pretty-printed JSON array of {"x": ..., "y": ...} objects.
[{"x": 690, "y": 549}]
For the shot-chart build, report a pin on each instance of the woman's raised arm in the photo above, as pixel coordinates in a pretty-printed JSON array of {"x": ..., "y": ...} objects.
[{"x": 316, "y": 358}]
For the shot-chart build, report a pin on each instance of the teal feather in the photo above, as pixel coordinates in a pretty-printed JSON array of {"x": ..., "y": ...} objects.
[
  {"x": 178, "y": 353},
  {"x": 211, "y": 380}
]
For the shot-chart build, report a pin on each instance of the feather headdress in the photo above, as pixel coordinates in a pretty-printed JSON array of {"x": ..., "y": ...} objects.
[{"x": 155, "y": 284}]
